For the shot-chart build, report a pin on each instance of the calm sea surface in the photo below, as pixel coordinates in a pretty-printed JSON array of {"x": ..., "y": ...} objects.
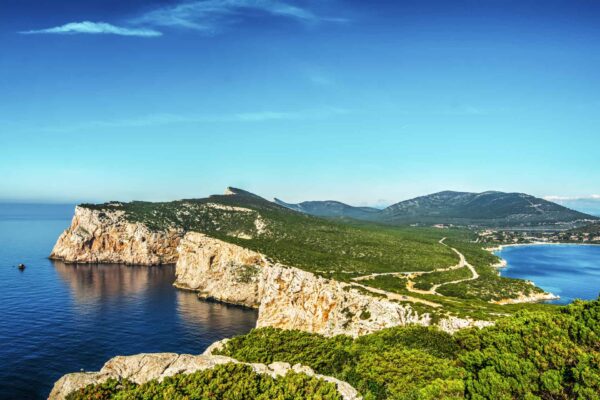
[
  {"x": 57, "y": 318},
  {"x": 569, "y": 271}
]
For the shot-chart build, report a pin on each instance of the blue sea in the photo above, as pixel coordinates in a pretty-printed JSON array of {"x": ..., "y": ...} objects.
[
  {"x": 57, "y": 318},
  {"x": 570, "y": 271}
]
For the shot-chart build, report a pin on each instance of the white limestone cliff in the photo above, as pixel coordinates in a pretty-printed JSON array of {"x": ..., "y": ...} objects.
[
  {"x": 286, "y": 297},
  {"x": 219, "y": 270},
  {"x": 98, "y": 236}
]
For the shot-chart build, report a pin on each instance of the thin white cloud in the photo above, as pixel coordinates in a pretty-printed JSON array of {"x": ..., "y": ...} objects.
[
  {"x": 572, "y": 198},
  {"x": 97, "y": 28},
  {"x": 169, "y": 119},
  {"x": 211, "y": 15},
  {"x": 208, "y": 16}
]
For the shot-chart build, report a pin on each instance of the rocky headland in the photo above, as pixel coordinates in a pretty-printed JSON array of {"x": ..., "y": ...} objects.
[
  {"x": 142, "y": 368},
  {"x": 286, "y": 297},
  {"x": 99, "y": 236}
]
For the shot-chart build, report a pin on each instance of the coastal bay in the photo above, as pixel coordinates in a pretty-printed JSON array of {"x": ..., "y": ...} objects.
[
  {"x": 59, "y": 318},
  {"x": 570, "y": 271}
]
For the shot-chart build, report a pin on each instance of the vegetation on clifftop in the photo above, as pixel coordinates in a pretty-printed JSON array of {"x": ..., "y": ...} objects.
[
  {"x": 223, "y": 382},
  {"x": 329, "y": 248},
  {"x": 532, "y": 355}
]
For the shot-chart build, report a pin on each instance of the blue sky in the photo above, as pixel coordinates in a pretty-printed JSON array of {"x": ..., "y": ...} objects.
[{"x": 365, "y": 102}]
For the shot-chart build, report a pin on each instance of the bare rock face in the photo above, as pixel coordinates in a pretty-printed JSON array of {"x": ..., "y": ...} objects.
[
  {"x": 287, "y": 298},
  {"x": 97, "y": 236},
  {"x": 453, "y": 324},
  {"x": 219, "y": 270},
  {"x": 297, "y": 299},
  {"x": 142, "y": 368}
]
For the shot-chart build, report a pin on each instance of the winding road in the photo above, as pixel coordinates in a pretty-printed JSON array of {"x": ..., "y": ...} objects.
[{"x": 462, "y": 263}]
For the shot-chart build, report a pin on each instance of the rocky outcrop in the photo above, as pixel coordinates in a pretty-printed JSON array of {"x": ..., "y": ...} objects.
[
  {"x": 528, "y": 298},
  {"x": 100, "y": 236},
  {"x": 219, "y": 270},
  {"x": 296, "y": 299},
  {"x": 142, "y": 368},
  {"x": 287, "y": 298},
  {"x": 452, "y": 324}
]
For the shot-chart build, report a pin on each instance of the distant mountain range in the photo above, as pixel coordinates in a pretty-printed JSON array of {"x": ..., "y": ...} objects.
[
  {"x": 490, "y": 208},
  {"x": 331, "y": 208}
]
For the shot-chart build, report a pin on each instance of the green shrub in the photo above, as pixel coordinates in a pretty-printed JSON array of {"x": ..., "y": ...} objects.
[
  {"x": 531, "y": 355},
  {"x": 224, "y": 382},
  {"x": 535, "y": 355}
]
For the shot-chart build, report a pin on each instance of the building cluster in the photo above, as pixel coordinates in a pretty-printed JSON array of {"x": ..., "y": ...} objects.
[{"x": 518, "y": 237}]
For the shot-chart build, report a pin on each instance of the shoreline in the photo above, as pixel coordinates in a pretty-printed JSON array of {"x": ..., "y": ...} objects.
[
  {"x": 534, "y": 298},
  {"x": 501, "y": 247}
]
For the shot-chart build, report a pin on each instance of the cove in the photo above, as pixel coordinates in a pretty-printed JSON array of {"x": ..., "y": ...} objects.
[
  {"x": 570, "y": 271},
  {"x": 57, "y": 318}
]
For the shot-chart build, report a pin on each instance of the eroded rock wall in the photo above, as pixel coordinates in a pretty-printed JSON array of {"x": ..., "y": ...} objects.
[
  {"x": 219, "y": 270},
  {"x": 297, "y": 299},
  {"x": 287, "y": 298},
  {"x": 97, "y": 236}
]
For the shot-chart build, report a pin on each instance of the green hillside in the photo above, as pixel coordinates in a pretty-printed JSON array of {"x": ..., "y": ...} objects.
[
  {"x": 333, "y": 209},
  {"x": 293, "y": 238},
  {"x": 551, "y": 354}
]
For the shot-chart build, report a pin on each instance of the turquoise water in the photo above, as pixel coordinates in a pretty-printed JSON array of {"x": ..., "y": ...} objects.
[
  {"x": 57, "y": 318},
  {"x": 569, "y": 271}
]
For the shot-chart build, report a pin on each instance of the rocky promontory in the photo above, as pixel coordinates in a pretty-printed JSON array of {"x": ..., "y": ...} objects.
[
  {"x": 103, "y": 236},
  {"x": 286, "y": 297},
  {"x": 142, "y": 368}
]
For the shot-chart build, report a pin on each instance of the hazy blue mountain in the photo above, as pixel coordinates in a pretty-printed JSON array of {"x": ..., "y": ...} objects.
[
  {"x": 490, "y": 208},
  {"x": 331, "y": 208},
  {"x": 487, "y": 209}
]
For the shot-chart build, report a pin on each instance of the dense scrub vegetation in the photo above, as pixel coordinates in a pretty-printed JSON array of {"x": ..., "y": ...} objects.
[
  {"x": 532, "y": 355},
  {"x": 426, "y": 281},
  {"x": 224, "y": 382}
]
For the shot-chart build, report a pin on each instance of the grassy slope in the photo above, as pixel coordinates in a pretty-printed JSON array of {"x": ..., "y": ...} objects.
[{"x": 593, "y": 229}]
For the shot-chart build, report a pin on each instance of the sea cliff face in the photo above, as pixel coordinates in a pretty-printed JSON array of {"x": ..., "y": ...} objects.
[
  {"x": 219, "y": 270},
  {"x": 97, "y": 236},
  {"x": 286, "y": 297}
]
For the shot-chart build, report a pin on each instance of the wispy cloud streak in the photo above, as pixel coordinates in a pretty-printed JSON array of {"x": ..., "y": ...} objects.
[
  {"x": 97, "y": 28},
  {"x": 208, "y": 16},
  {"x": 169, "y": 119},
  {"x": 572, "y": 198},
  {"x": 211, "y": 15}
]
